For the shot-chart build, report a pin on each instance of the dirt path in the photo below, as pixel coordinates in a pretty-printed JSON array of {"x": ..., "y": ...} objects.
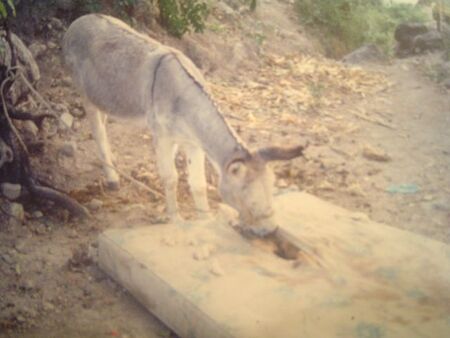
[
  {"x": 50, "y": 286},
  {"x": 417, "y": 144}
]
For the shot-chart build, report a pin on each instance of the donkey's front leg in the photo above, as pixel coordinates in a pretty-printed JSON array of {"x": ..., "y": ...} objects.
[
  {"x": 165, "y": 157},
  {"x": 197, "y": 179},
  {"x": 98, "y": 126}
]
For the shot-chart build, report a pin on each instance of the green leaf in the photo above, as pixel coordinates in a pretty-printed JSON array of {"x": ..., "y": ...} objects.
[
  {"x": 11, "y": 5},
  {"x": 3, "y": 12}
]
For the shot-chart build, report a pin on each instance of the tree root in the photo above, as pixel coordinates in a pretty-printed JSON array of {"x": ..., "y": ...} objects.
[{"x": 41, "y": 192}]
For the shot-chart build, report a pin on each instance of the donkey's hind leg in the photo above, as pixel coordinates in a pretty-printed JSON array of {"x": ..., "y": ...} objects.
[
  {"x": 197, "y": 179},
  {"x": 98, "y": 126}
]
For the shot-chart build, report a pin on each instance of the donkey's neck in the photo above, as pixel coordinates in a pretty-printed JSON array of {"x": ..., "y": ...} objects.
[{"x": 217, "y": 138}]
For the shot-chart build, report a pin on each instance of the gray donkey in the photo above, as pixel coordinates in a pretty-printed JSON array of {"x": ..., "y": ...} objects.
[{"x": 126, "y": 74}]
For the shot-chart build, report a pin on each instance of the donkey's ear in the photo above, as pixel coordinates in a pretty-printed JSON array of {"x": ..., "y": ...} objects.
[{"x": 280, "y": 153}]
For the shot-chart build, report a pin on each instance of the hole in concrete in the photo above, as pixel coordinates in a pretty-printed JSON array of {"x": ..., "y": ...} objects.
[
  {"x": 274, "y": 243},
  {"x": 283, "y": 247}
]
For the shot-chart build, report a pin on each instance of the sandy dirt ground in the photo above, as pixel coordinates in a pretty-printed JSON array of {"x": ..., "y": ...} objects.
[{"x": 379, "y": 144}]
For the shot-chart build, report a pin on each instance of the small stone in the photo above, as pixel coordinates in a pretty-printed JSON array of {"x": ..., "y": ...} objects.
[
  {"x": 66, "y": 81},
  {"x": 47, "y": 306},
  {"x": 27, "y": 285},
  {"x": 216, "y": 268},
  {"x": 40, "y": 229},
  {"x": 30, "y": 128},
  {"x": 325, "y": 185},
  {"x": 16, "y": 211},
  {"x": 355, "y": 190},
  {"x": 37, "y": 214},
  {"x": 73, "y": 234},
  {"x": 359, "y": 216},
  {"x": 37, "y": 49},
  {"x": 375, "y": 154},
  {"x": 21, "y": 247},
  {"x": 66, "y": 121},
  {"x": 68, "y": 149},
  {"x": 95, "y": 204},
  {"x": 11, "y": 191},
  {"x": 56, "y": 24},
  {"x": 282, "y": 183},
  {"x": 52, "y": 45},
  {"x": 7, "y": 258},
  {"x": 169, "y": 241},
  {"x": 447, "y": 84},
  {"x": 203, "y": 252},
  {"x": 20, "y": 319}
]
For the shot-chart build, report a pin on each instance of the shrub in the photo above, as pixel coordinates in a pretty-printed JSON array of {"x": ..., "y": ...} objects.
[
  {"x": 7, "y": 8},
  {"x": 177, "y": 16},
  {"x": 347, "y": 24}
]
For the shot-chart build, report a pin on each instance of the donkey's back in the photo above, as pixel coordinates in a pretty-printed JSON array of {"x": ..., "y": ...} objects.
[{"x": 114, "y": 66}]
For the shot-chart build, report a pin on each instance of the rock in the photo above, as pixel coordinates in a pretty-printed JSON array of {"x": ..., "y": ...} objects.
[
  {"x": 27, "y": 285},
  {"x": 37, "y": 49},
  {"x": 11, "y": 191},
  {"x": 8, "y": 259},
  {"x": 355, "y": 190},
  {"x": 6, "y": 154},
  {"x": 365, "y": 54},
  {"x": 359, "y": 217},
  {"x": 66, "y": 81},
  {"x": 25, "y": 60},
  {"x": 66, "y": 120},
  {"x": 30, "y": 128},
  {"x": 68, "y": 149},
  {"x": 52, "y": 45},
  {"x": 216, "y": 268},
  {"x": 446, "y": 83},
  {"x": 429, "y": 41},
  {"x": 66, "y": 5},
  {"x": 224, "y": 8},
  {"x": 405, "y": 34},
  {"x": 95, "y": 204},
  {"x": 47, "y": 306},
  {"x": 56, "y": 24},
  {"x": 203, "y": 252},
  {"x": 37, "y": 214},
  {"x": 375, "y": 154},
  {"x": 17, "y": 212},
  {"x": 282, "y": 183}
]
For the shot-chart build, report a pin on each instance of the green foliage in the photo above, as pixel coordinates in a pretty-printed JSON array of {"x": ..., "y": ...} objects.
[
  {"x": 347, "y": 24},
  {"x": 178, "y": 16},
  {"x": 7, "y": 8}
]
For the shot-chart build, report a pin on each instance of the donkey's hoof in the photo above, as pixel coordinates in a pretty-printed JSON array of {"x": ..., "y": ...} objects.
[{"x": 113, "y": 185}]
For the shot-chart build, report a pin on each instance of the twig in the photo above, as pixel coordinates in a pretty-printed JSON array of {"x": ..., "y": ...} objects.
[
  {"x": 368, "y": 119},
  {"x": 35, "y": 92},
  {"x": 8, "y": 118},
  {"x": 135, "y": 181},
  {"x": 65, "y": 201}
]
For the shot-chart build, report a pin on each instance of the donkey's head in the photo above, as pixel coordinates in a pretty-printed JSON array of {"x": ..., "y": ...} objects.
[{"x": 247, "y": 185}]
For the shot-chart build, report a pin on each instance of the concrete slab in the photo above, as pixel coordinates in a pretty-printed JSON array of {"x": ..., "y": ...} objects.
[{"x": 353, "y": 277}]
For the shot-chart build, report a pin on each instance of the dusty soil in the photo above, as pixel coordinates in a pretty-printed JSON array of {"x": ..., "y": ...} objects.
[{"x": 379, "y": 144}]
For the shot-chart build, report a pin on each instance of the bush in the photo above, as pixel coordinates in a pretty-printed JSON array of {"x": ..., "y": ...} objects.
[
  {"x": 176, "y": 16},
  {"x": 347, "y": 24}
]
